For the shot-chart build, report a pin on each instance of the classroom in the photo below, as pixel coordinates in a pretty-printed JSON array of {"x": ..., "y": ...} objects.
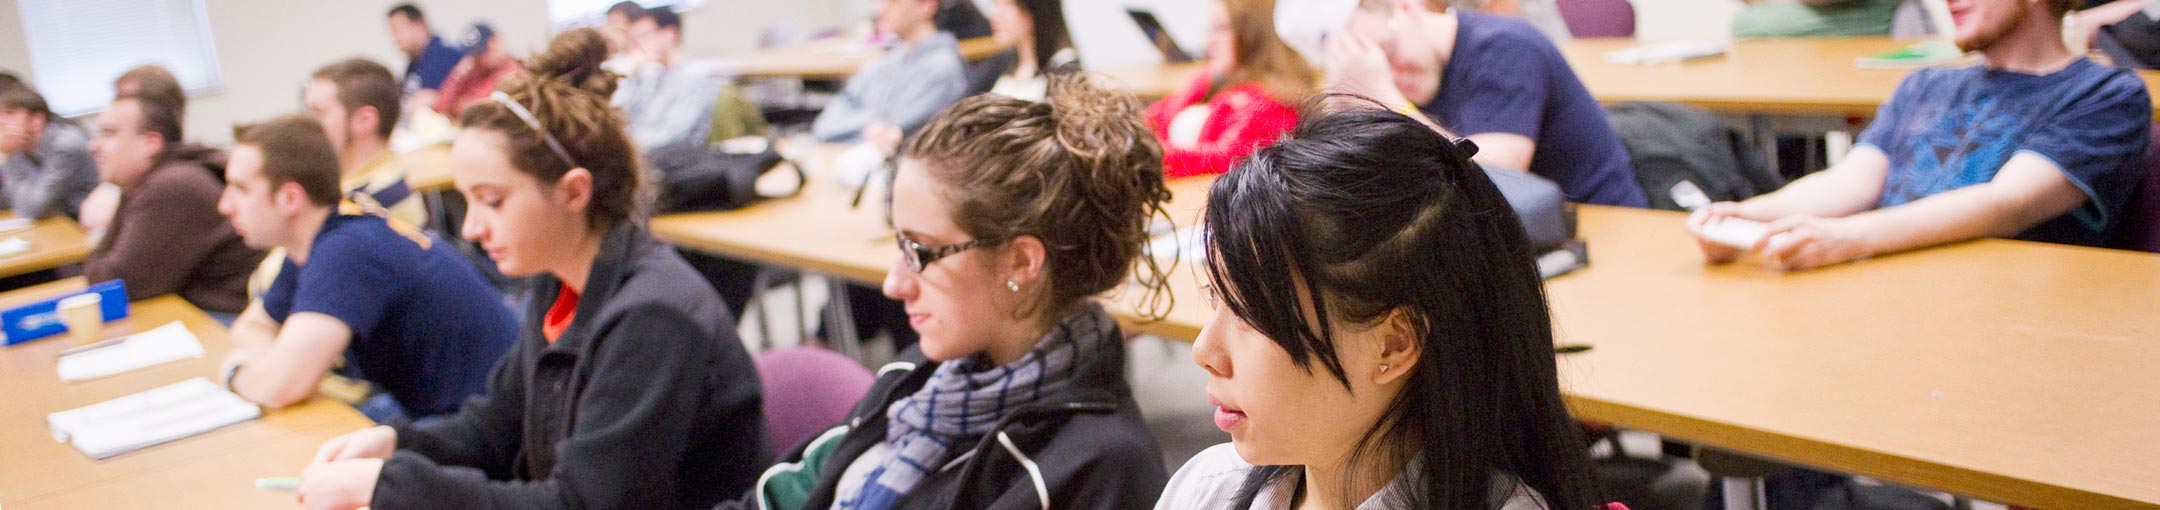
[{"x": 1106, "y": 254}]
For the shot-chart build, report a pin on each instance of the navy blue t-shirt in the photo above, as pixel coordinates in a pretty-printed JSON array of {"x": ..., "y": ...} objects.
[
  {"x": 1950, "y": 128},
  {"x": 433, "y": 66},
  {"x": 427, "y": 327},
  {"x": 1506, "y": 77}
]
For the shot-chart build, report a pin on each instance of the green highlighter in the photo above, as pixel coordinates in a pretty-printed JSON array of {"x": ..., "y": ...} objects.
[{"x": 278, "y": 483}]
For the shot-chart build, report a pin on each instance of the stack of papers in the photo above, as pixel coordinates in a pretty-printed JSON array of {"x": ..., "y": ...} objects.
[
  {"x": 1668, "y": 51},
  {"x": 171, "y": 342},
  {"x": 150, "y": 418},
  {"x": 13, "y": 246}
]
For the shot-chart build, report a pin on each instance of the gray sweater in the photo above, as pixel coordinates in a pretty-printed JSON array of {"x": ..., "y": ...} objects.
[
  {"x": 52, "y": 179},
  {"x": 904, "y": 87}
]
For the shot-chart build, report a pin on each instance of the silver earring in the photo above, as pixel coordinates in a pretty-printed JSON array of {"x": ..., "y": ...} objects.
[
  {"x": 1383, "y": 368},
  {"x": 1015, "y": 286}
]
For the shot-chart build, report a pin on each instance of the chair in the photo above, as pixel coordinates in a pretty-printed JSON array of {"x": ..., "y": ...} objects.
[
  {"x": 2141, "y": 220},
  {"x": 1598, "y": 18},
  {"x": 807, "y": 390}
]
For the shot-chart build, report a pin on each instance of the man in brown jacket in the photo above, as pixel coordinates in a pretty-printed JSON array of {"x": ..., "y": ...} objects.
[{"x": 167, "y": 236}]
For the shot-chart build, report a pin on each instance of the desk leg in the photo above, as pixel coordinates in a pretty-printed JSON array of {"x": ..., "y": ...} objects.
[
  {"x": 840, "y": 321},
  {"x": 1765, "y": 136},
  {"x": 758, "y": 289},
  {"x": 1743, "y": 493}
]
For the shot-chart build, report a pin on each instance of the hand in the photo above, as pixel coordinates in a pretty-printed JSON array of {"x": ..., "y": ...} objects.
[
  {"x": 1803, "y": 242},
  {"x": 376, "y": 442},
  {"x": 1356, "y": 65},
  {"x": 886, "y": 137},
  {"x": 341, "y": 485},
  {"x": 13, "y": 138},
  {"x": 1714, "y": 252},
  {"x": 98, "y": 207}
]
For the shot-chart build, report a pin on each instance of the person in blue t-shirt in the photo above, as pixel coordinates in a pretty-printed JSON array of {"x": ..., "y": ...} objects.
[
  {"x": 1494, "y": 79},
  {"x": 2038, "y": 143},
  {"x": 430, "y": 60},
  {"x": 406, "y": 310}
]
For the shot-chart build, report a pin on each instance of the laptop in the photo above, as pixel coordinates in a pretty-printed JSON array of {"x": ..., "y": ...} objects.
[{"x": 1153, "y": 28}]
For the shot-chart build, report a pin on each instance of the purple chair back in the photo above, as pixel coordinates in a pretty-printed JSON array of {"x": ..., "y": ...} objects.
[
  {"x": 807, "y": 390},
  {"x": 1598, "y": 18}
]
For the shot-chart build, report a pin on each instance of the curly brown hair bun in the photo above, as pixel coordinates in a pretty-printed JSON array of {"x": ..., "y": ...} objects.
[
  {"x": 1080, "y": 170},
  {"x": 567, "y": 92}
]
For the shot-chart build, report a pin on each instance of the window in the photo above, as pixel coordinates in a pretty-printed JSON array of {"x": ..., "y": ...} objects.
[
  {"x": 585, "y": 13},
  {"x": 77, "y": 47}
]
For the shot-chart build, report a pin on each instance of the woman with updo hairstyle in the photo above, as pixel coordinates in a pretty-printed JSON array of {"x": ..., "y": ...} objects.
[
  {"x": 1011, "y": 216},
  {"x": 627, "y": 389}
]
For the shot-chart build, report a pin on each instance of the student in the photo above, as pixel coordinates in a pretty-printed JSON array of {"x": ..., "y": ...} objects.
[
  {"x": 1381, "y": 338},
  {"x": 1814, "y": 18},
  {"x": 2127, "y": 31},
  {"x": 898, "y": 91},
  {"x": 1495, "y": 79},
  {"x": 627, "y": 388},
  {"x": 2038, "y": 143},
  {"x": 1240, "y": 101},
  {"x": 624, "y": 54},
  {"x": 1035, "y": 32},
  {"x": 48, "y": 168},
  {"x": 667, "y": 100},
  {"x": 152, "y": 82},
  {"x": 1011, "y": 216},
  {"x": 166, "y": 236},
  {"x": 356, "y": 102},
  {"x": 1544, "y": 14},
  {"x": 409, "y": 313},
  {"x": 428, "y": 59},
  {"x": 487, "y": 62}
]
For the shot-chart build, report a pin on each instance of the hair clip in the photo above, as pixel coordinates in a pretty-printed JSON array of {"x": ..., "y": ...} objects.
[{"x": 1464, "y": 147}]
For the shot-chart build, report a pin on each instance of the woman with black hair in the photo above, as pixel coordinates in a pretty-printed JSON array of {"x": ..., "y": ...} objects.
[{"x": 1382, "y": 339}]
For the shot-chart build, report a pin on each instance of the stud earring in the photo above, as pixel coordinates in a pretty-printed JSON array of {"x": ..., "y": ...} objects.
[
  {"x": 1015, "y": 286},
  {"x": 1383, "y": 368}
]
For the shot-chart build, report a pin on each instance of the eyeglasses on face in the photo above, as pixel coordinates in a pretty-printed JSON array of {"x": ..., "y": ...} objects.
[{"x": 919, "y": 256}]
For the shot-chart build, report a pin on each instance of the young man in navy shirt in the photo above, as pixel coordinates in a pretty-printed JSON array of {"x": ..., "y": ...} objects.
[
  {"x": 430, "y": 60},
  {"x": 405, "y": 310},
  {"x": 1494, "y": 79},
  {"x": 2036, "y": 143}
]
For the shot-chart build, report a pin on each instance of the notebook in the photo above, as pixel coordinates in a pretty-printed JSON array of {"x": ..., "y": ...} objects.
[
  {"x": 171, "y": 342},
  {"x": 150, "y": 418}
]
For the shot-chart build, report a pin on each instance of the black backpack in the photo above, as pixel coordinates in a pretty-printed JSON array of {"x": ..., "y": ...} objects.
[
  {"x": 1669, "y": 144},
  {"x": 693, "y": 177}
]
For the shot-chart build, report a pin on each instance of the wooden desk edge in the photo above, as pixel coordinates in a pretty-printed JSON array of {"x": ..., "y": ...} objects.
[{"x": 1842, "y": 458}]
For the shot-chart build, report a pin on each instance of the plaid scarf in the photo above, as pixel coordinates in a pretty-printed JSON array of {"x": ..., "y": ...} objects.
[{"x": 964, "y": 400}]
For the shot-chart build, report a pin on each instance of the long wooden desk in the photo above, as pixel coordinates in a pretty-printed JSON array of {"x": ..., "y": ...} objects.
[
  {"x": 54, "y": 242},
  {"x": 1811, "y": 76},
  {"x": 2003, "y": 370},
  {"x": 827, "y": 60},
  {"x": 213, "y": 470}
]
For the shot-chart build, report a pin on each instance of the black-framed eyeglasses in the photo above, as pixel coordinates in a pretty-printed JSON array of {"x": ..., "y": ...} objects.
[{"x": 919, "y": 257}]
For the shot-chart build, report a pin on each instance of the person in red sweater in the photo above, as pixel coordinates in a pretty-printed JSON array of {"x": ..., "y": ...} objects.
[{"x": 1243, "y": 100}]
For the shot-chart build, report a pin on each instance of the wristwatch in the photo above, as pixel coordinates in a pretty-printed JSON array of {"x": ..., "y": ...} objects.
[{"x": 230, "y": 372}]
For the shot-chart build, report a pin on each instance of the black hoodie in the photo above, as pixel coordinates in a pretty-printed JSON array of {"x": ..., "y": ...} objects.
[{"x": 647, "y": 401}]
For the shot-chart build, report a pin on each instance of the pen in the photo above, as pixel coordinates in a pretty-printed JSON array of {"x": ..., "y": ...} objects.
[
  {"x": 1570, "y": 348},
  {"x": 92, "y": 347}
]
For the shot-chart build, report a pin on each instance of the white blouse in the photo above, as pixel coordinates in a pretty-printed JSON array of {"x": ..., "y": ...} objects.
[{"x": 1210, "y": 481}]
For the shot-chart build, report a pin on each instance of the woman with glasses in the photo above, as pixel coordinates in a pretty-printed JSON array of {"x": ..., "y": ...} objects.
[
  {"x": 627, "y": 389},
  {"x": 1381, "y": 338},
  {"x": 1011, "y": 216}
]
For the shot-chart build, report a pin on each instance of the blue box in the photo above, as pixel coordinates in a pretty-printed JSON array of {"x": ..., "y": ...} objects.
[{"x": 42, "y": 319}]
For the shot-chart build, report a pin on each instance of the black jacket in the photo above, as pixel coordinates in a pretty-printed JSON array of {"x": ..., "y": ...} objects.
[
  {"x": 1088, "y": 445},
  {"x": 647, "y": 401}
]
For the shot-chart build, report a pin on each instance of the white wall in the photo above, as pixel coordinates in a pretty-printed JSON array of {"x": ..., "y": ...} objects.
[{"x": 267, "y": 48}]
